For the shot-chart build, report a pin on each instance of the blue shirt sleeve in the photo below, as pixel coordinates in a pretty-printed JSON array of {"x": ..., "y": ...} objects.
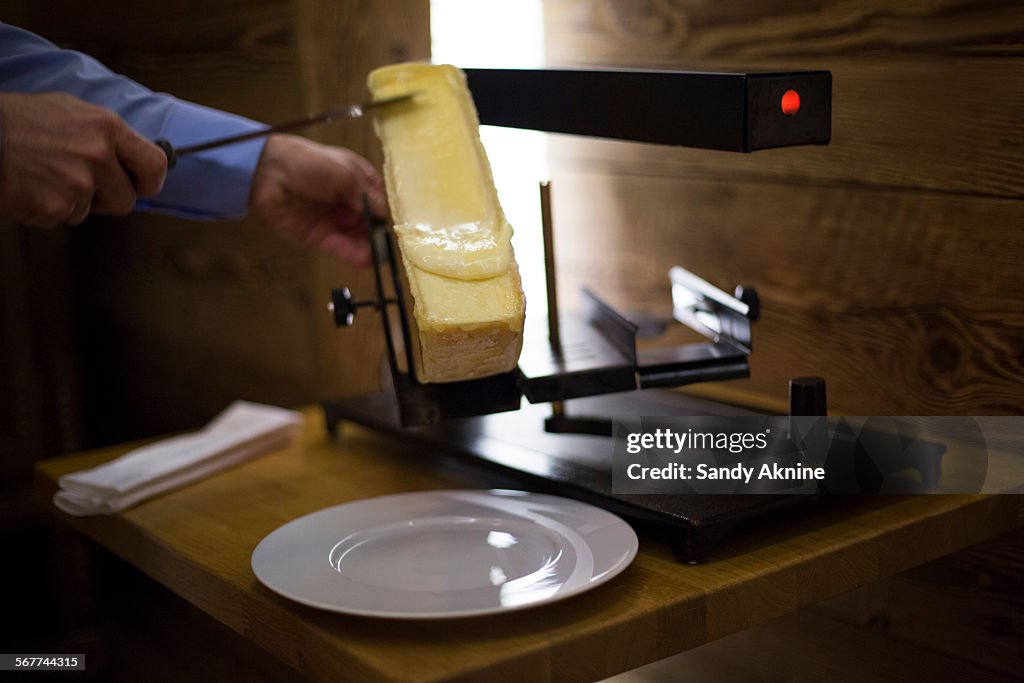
[{"x": 208, "y": 185}]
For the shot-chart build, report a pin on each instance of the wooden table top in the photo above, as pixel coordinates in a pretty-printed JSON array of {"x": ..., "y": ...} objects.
[{"x": 198, "y": 542}]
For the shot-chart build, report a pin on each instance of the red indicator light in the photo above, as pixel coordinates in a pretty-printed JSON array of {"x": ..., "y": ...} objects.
[{"x": 790, "y": 102}]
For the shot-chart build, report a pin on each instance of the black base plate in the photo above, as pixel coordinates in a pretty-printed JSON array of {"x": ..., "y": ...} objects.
[{"x": 579, "y": 465}]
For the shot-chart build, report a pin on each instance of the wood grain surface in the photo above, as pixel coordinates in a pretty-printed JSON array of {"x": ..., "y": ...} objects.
[
  {"x": 198, "y": 542},
  {"x": 705, "y": 29},
  {"x": 236, "y": 55},
  {"x": 924, "y": 319}
]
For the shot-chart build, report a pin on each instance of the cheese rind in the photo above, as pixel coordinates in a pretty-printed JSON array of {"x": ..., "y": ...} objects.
[{"x": 455, "y": 243}]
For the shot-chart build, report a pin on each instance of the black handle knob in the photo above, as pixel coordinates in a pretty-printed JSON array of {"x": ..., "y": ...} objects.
[
  {"x": 344, "y": 307},
  {"x": 807, "y": 396},
  {"x": 748, "y": 295}
]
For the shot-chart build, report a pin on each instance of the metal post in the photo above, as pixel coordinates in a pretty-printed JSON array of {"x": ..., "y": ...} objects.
[
  {"x": 549, "y": 265},
  {"x": 551, "y": 286}
]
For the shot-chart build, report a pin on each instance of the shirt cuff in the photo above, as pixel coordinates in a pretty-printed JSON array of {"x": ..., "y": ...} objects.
[{"x": 211, "y": 184}]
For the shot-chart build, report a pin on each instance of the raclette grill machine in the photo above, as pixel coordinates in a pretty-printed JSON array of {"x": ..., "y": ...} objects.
[{"x": 593, "y": 357}]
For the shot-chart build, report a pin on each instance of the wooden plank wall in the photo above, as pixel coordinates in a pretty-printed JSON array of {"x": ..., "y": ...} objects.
[
  {"x": 177, "y": 318},
  {"x": 888, "y": 262}
]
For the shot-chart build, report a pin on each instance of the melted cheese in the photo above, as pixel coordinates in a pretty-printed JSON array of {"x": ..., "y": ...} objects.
[
  {"x": 465, "y": 251},
  {"x": 448, "y": 222}
]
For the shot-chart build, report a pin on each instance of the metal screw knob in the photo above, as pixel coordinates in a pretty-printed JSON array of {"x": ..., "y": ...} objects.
[{"x": 344, "y": 307}]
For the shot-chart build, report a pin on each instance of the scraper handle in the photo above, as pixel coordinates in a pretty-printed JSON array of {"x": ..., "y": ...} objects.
[
  {"x": 352, "y": 111},
  {"x": 168, "y": 148}
]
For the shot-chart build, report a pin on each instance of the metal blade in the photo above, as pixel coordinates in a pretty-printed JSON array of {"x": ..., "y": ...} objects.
[{"x": 353, "y": 111}]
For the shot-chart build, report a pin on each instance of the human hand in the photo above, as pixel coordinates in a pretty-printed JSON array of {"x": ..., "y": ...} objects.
[
  {"x": 313, "y": 194},
  {"x": 61, "y": 158}
]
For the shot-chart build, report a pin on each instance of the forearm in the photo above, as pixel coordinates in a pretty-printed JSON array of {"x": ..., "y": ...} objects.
[{"x": 214, "y": 184}]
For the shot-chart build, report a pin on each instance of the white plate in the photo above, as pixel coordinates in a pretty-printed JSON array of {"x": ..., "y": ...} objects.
[{"x": 444, "y": 553}]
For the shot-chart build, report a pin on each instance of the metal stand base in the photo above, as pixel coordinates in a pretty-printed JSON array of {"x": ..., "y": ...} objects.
[{"x": 577, "y": 465}]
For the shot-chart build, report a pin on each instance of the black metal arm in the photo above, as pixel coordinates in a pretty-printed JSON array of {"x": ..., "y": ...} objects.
[{"x": 737, "y": 112}]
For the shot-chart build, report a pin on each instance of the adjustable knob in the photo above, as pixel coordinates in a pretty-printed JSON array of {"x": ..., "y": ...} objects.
[
  {"x": 748, "y": 295},
  {"x": 807, "y": 396},
  {"x": 344, "y": 307}
]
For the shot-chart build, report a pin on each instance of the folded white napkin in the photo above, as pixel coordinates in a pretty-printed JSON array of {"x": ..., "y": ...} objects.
[{"x": 243, "y": 431}]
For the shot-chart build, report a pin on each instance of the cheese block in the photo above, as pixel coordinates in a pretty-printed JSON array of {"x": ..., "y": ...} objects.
[{"x": 454, "y": 241}]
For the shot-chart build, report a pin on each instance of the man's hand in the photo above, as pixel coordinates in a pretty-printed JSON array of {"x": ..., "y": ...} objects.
[
  {"x": 61, "y": 158},
  {"x": 313, "y": 194}
]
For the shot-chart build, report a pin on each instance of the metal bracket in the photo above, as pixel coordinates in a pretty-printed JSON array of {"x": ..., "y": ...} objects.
[{"x": 594, "y": 353}]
